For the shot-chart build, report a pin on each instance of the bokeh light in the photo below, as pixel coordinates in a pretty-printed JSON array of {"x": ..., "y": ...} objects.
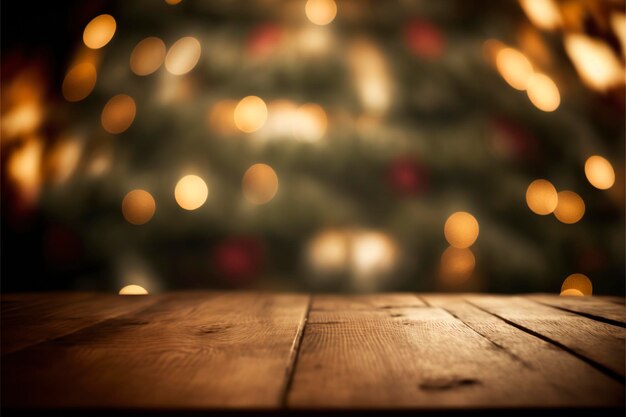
[
  {"x": 571, "y": 293},
  {"x": 221, "y": 117},
  {"x": 79, "y": 82},
  {"x": 310, "y": 122},
  {"x": 183, "y": 55},
  {"x": 457, "y": 265},
  {"x": 191, "y": 192},
  {"x": 461, "y": 229},
  {"x": 329, "y": 251},
  {"x": 24, "y": 168},
  {"x": 577, "y": 282},
  {"x": 595, "y": 61},
  {"x": 133, "y": 290},
  {"x": 260, "y": 184},
  {"x": 514, "y": 67},
  {"x": 118, "y": 114},
  {"x": 62, "y": 159},
  {"x": 147, "y": 56},
  {"x": 541, "y": 197},
  {"x": 599, "y": 172},
  {"x": 570, "y": 208},
  {"x": 321, "y": 12},
  {"x": 173, "y": 2},
  {"x": 138, "y": 207},
  {"x": 542, "y": 13},
  {"x": 543, "y": 93},
  {"x": 99, "y": 31},
  {"x": 250, "y": 114},
  {"x": 373, "y": 254}
]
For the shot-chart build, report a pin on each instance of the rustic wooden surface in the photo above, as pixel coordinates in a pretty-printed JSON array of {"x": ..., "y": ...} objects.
[{"x": 208, "y": 351}]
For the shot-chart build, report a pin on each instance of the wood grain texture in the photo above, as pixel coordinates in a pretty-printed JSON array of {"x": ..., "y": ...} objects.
[
  {"x": 420, "y": 357},
  {"x": 593, "y": 307},
  {"x": 366, "y": 301},
  {"x": 601, "y": 343},
  {"x": 557, "y": 367},
  {"x": 187, "y": 351},
  {"x": 28, "y": 319}
]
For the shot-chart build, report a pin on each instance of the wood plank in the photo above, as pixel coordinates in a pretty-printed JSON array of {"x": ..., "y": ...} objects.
[
  {"x": 366, "y": 301},
  {"x": 189, "y": 351},
  {"x": 28, "y": 319},
  {"x": 557, "y": 367},
  {"x": 419, "y": 357},
  {"x": 592, "y": 307},
  {"x": 600, "y": 343}
]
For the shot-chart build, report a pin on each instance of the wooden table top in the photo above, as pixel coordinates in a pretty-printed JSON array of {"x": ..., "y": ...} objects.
[{"x": 289, "y": 353}]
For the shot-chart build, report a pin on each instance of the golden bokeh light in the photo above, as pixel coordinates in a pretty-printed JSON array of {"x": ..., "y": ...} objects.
[
  {"x": 250, "y": 114},
  {"x": 99, "y": 31},
  {"x": 173, "y": 2},
  {"x": 221, "y": 117},
  {"x": 25, "y": 118},
  {"x": 260, "y": 184},
  {"x": 329, "y": 251},
  {"x": 370, "y": 73},
  {"x": 571, "y": 293},
  {"x": 147, "y": 56},
  {"x": 373, "y": 254},
  {"x": 541, "y": 197},
  {"x": 577, "y": 282},
  {"x": 594, "y": 60},
  {"x": 191, "y": 192},
  {"x": 543, "y": 93},
  {"x": 118, "y": 114},
  {"x": 320, "y": 12},
  {"x": 542, "y": 13},
  {"x": 514, "y": 67},
  {"x": 457, "y": 265},
  {"x": 133, "y": 290},
  {"x": 183, "y": 55},
  {"x": 310, "y": 122},
  {"x": 79, "y": 82},
  {"x": 24, "y": 168},
  {"x": 63, "y": 159},
  {"x": 138, "y": 207},
  {"x": 599, "y": 172},
  {"x": 461, "y": 229},
  {"x": 570, "y": 208}
]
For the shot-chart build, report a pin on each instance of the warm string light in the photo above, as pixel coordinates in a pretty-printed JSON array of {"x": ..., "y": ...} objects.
[
  {"x": 79, "y": 81},
  {"x": 577, "y": 285},
  {"x": 133, "y": 290},
  {"x": 62, "y": 159},
  {"x": 542, "y": 13},
  {"x": 366, "y": 255},
  {"x": 595, "y": 62},
  {"x": 541, "y": 197},
  {"x": 250, "y": 114},
  {"x": 138, "y": 207},
  {"x": 259, "y": 184},
  {"x": 543, "y": 92},
  {"x": 320, "y": 12},
  {"x": 457, "y": 265},
  {"x": 99, "y": 31},
  {"x": 191, "y": 192},
  {"x": 118, "y": 113},
  {"x": 147, "y": 56},
  {"x": 570, "y": 208},
  {"x": 183, "y": 56},
  {"x": 514, "y": 67},
  {"x": 461, "y": 230},
  {"x": 599, "y": 172}
]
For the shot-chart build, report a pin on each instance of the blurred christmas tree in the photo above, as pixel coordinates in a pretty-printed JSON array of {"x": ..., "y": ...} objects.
[{"x": 337, "y": 146}]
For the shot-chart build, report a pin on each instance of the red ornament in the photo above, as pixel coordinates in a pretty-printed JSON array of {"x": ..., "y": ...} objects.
[
  {"x": 263, "y": 39},
  {"x": 424, "y": 39},
  {"x": 407, "y": 176},
  {"x": 238, "y": 260}
]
